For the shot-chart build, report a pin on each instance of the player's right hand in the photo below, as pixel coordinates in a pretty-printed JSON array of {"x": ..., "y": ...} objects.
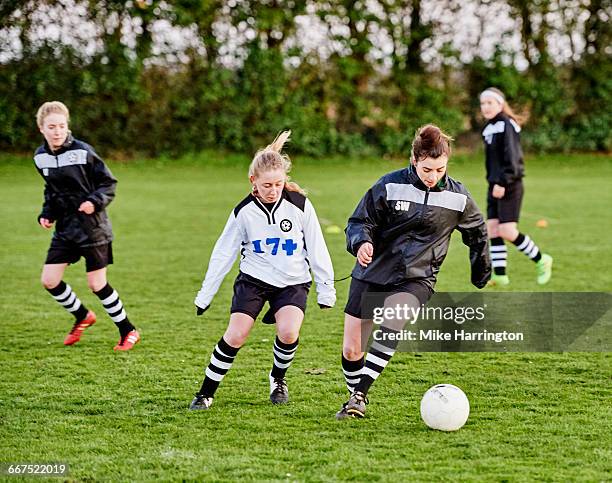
[
  {"x": 200, "y": 310},
  {"x": 364, "y": 254},
  {"x": 498, "y": 191},
  {"x": 46, "y": 224}
]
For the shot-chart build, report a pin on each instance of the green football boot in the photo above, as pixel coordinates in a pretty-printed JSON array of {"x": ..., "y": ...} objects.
[
  {"x": 498, "y": 280},
  {"x": 544, "y": 269}
]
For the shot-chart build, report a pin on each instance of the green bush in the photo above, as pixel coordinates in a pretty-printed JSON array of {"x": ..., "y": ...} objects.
[{"x": 337, "y": 106}]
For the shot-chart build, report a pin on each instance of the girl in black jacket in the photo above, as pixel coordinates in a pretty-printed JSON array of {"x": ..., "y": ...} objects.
[
  {"x": 78, "y": 187},
  {"x": 400, "y": 233},
  {"x": 505, "y": 171}
]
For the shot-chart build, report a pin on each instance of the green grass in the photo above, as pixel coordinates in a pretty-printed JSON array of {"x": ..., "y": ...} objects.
[{"x": 124, "y": 416}]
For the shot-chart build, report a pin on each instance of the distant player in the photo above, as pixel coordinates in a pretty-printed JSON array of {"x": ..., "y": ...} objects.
[
  {"x": 400, "y": 233},
  {"x": 505, "y": 171},
  {"x": 78, "y": 188},
  {"x": 276, "y": 231}
]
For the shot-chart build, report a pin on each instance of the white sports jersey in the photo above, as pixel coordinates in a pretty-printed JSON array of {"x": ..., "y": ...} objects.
[{"x": 278, "y": 246}]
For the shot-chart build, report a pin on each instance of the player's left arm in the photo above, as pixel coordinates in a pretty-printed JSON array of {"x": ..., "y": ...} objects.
[
  {"x": 318, "y": 256},
  {"x": 47, "y": 211},
  {"x": 474, "y": 234},
  {"x": 512, "y": 153},
  {"x": 104, "y": 183}
]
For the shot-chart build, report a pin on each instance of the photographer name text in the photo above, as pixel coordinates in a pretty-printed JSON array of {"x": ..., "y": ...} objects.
[{"x": 458, "y": 335}]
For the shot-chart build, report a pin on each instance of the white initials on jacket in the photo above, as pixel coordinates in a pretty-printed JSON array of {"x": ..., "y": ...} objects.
[{"x": 402, "y": 205}]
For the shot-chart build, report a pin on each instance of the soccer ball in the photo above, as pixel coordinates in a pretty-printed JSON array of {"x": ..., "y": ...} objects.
[{"x": 445, "y": 407}]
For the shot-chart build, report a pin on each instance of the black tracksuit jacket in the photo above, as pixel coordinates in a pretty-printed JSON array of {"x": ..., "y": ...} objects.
[
  {"x": 74, "y": 174},
  {"x": 503, "y": 153},
  {"x": 410, "y": 227}
]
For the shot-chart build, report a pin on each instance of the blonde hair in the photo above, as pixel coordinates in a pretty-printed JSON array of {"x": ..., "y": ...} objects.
[
  {"x": 53, "y": 107},
  {"x": 520, "y": 119},
  {"x": 270, "y": 158}
]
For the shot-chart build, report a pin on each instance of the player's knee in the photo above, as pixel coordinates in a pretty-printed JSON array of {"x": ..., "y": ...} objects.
[
  {"x": 49, "y": 281},
  {"x": 92, "y": 286},
  {"x": 96, "y": 285},
  {"x": 507, "y": 232},
  {"x": 236, "y": 338},
  {"x": 352, "y": 352},
  {"x": 288, "y": 336}
]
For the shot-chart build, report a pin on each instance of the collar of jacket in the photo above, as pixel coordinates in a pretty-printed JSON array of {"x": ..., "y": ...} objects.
[
  {"x": 414, "y": 179},
  {"x": 500, "y": 116},
  {"x": 67, "y": 143}
]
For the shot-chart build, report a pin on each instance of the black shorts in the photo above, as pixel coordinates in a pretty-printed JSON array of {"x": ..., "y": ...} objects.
[
  {"x": 508, "y": 208},
  {"x": 355, "y": 304},
  {"x": 96, "y": 257},
  {"x": 250, "y": 295}
]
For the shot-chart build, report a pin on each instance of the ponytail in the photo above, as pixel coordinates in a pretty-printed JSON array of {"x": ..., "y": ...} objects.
[
  {"x": 520, "y": 119},
  {"x": 279, "y": 142},
  {"x": 271, "y": 157},
  {"x": 293, "y": 186}
]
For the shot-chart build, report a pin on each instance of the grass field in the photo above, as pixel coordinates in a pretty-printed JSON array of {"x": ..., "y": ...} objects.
[{"x": 124, "y": 416}]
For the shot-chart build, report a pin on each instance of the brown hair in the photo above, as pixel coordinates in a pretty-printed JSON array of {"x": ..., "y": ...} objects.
[
  {"x": 430, "y": 142},
  {"x": 53, "y": 107},
  {"x": 520, "y": 119},
  {"x": 270, "y": 158}
]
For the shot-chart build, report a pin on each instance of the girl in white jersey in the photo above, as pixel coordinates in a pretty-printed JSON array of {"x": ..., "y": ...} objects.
[{"x": 276, "y": 231}]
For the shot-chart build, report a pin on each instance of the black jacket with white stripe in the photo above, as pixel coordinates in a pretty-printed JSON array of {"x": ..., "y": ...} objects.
[
  {"x": 410, "y": 227},
  {"x": 74, "y": 174},
  {"x": 503, "y": 153}
]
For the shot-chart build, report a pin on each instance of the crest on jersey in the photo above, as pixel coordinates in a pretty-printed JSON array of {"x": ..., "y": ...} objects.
[
  {"x": 286, "y": 225},
  {"x": 72, "y": 157}
]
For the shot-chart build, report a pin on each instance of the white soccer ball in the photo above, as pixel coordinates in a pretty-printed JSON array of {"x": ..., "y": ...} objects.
[{"x": 445, "y": 407}]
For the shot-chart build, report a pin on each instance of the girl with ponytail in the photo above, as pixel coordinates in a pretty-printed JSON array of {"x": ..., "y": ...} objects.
[
  {"x": 276, "y": 231},
  {"x": 505, "y": 171}
]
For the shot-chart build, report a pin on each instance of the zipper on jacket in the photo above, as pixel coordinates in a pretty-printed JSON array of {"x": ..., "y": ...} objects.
[{"x": 424, "y": 205}]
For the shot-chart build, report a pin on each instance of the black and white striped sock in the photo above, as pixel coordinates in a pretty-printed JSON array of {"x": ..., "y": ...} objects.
[
  {"x": 377, "y": 358},
  {"x": 114, "y": 308},
  {"x": 221, "y": 360},
  {"x": 528, "y": 247},
  {"x": 67, "y": 298},
  {"x": 499, "y": 255},
  {"x": 352, "y": 371},
  {"x": 283, "y": 356}
]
